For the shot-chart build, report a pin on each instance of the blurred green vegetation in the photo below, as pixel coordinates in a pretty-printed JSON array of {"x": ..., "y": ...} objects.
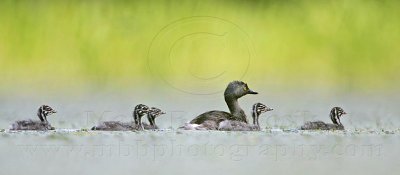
[{"x": 341, "y": 44}]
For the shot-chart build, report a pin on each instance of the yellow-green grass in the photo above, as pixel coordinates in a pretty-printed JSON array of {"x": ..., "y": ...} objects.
[{"x": 346, "y": 45}]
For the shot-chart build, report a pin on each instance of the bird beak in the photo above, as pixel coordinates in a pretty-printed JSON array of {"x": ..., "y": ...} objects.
[
  {"x": 251, "y": 92},
  {"x": 270, "y": 109},
  {"x": 163, "y": 113},
  {"x": 344, "y": 113}
]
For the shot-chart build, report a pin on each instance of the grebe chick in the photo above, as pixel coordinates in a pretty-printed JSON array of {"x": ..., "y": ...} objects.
[
  {"x": 335, "y": 115},
  {"x": 210, "y": 120},
  {"x": 139, "y": 111},
  {"x": 41, "y": 125},
  {"x": 234, "y": 125},
  {"x": 151, "y": 116}
]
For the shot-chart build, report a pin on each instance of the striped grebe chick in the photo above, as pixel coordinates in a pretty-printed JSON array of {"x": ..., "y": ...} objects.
[
  {"x": 139, "y": 111},
  {"x": 234, "y": 125},
  {"x": 335, "y": 115},
  {"x": 210, "y": 120},
  {"x": 41, "y": 125},
  {"x": 151, "y": 116}
]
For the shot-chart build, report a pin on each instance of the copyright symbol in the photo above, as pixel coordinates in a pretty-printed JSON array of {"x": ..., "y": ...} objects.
[{"x": 196, "y": 54}]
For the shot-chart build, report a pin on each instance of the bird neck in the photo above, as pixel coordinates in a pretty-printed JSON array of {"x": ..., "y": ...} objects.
[
  {"x": 137, "y": 118},
  {"x": 41, "y": 118},
  {"x": 255, "y": 118},
  {"x": 40, "y": 115},
  {"x": 335, "y": 118},
  {"x": 152, "y": 120},
  {"x": 234, "y": 107},
  {"x": 255, "y": 115}
]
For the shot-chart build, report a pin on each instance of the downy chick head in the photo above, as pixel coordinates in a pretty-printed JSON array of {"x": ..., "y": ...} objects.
[
  {"x": 155, "y": 112},
  {"x": 335, "y": 115},
  {"x": 260, "y": 108},
  {"x": 45, "y": 111},
  {"x": 141, "y": 109}
]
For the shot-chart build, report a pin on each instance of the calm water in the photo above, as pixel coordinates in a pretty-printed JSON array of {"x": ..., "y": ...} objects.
[{"x": 369, "y": 145}]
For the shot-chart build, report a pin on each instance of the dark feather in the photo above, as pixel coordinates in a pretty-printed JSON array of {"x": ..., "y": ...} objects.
[
  {"x": 319, "y": 125},
  {"x": 115, "y": 126},
  {"x": 232, "y": 125},
  {"x": 215, "y": 116},
  {"x": 31, "y": 125}
]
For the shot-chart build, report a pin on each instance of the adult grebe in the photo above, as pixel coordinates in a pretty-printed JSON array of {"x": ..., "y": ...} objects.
[{"x": 210, "y": 120}]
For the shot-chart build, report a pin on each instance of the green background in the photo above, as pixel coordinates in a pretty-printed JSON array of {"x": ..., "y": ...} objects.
[{"x": 70, "y": 45}]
